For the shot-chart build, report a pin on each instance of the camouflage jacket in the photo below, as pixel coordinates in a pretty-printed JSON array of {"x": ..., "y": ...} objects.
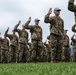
[
  {"x": 0, "y": 41},
  {"x": 47, "y": 47},
  {"x": 13, "y": 38},
  {"x": 23, "y": 35},
  {"x": 5, "y": 43},
  {"x": 66, "y": 41},
  {"x": 36, "y": 31},
  {"x": 56, "y": 24}
]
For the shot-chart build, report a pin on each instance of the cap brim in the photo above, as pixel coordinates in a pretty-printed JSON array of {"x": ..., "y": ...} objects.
[
  {"x": 58, "y": 10},
  {"x": 37, "y": 20}
]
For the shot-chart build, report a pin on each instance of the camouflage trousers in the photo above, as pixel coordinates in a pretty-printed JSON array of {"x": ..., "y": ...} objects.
[
  {"x": 56, "y": 48},
  {"x": 72, "y": 58},
  {"x": 0, "y": 54},
  {"x": 4, "y": 55},
  {"x": 66, "y": 54},
  {"x": 36, "y": 50},
  {"x": 47, "y": 55},
  {"x": 13, "y": 54},
  {"x": 23, "y": 53},
  {"x": 74, "y": 47}
]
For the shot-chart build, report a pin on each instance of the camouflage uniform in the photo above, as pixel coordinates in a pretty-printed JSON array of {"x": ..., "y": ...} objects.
[
  {"x": 29, "y": 47},
  {"x": 74, "y": 46},
  {"x": 71, "y": 53},
  {"x": 4, "y": 50},
  {"x": 45, "y": 53},
  {"x": 56, "y": 33},
  {"x": 48, "y": 51},
  {"x": 36, "y": 39},
  {"x": 0, "y": 47},
  {"x": 13, "y": 56},
  {"x": 23, "y": 44},
  {"x": 66, "y": 49}
]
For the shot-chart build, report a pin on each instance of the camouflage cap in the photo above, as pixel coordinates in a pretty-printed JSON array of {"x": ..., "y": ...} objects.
[
  {"x": 37, "y": 19},
  {"x": 57, "y": 9}
]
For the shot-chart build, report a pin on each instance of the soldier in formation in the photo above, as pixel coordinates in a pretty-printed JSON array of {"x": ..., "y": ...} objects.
[
  {"x": 0, "y": 47},
  {"x": 5, "y": 50},
  {"x": 56, "y": 33},
  {"x": 48, "y": 49},
  {"x": 57, "y": 49},
  {"x": 13, "y": 54},
  {"x": 66, "y": 48},
  {"x": 73, "y": 43},
  {"x": 36, "y": 39},
  {"x": 23, "y": 43}
]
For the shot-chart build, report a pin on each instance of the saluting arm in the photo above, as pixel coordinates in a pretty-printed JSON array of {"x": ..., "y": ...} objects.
[
  {"x": 27, "y": 26},
  {"x": 16, "y": 26},
  {"x": 6, "y": 31},
  {"x": 47, "y": 19},
  {"x": 7, "y": 35}
]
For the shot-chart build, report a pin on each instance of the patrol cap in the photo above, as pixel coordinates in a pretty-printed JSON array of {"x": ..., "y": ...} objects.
[
  {"x": 37, "y": 19},
  {"x": 57, "y": 9}
]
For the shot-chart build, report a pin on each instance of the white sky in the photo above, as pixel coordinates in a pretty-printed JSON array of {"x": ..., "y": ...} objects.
[{"x": 11, "y": 11}]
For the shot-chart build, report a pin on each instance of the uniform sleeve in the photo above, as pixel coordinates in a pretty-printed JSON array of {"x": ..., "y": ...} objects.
[
  {"x": 1, "y": 39},
  {"x": 47, "y": 19},
  {"x": 7, "y": 35},
  {"x": 68, "y": 40},
  {"x": 41, "y": 33},
  {"x": 63, "y": 27},
  {"x": 71, "y": 6},
  {"x": 15, "y": 28},
  {"x": 27, "y": 26}
]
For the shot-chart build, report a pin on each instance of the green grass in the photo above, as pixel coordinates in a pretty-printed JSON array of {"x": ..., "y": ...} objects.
[{"x": 38, "y": 69}]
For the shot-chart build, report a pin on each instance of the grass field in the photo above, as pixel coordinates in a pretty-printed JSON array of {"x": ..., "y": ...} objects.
[{"x": 38, "y": 69}]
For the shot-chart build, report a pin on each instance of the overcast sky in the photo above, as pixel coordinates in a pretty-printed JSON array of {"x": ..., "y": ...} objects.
[{"x": 11, "y": 11}]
